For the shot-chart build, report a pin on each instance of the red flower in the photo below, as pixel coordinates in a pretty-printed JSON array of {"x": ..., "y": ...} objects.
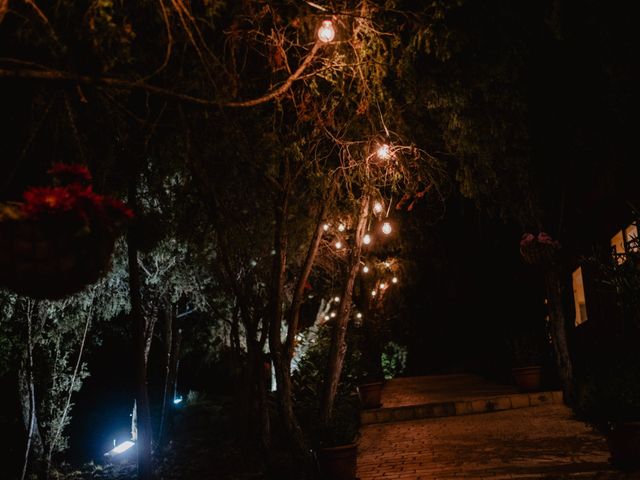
[
  {"x": 40, "y": 200},
  {"x": 74, "y": 172}
]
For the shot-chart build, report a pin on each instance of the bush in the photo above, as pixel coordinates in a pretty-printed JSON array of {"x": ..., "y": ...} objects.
[
  {"x": 307, "y": 388},
  {"x": 394, "y": 360}
]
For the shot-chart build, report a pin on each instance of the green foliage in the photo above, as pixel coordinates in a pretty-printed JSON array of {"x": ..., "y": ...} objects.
[
  {"x": 528, "y": 348},
  {"x": 307, "y": 384},
  {"x": 394, "y": 360},
  {"x": 608, "y": 388}
]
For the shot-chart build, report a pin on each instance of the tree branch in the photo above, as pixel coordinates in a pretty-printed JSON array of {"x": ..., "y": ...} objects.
[{"x": 111, "y": 82}]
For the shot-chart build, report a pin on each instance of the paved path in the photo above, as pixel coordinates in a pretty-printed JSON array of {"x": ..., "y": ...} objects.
[
  {"x": 401, "y": 392},
  {"x": 542, "y": 442}
]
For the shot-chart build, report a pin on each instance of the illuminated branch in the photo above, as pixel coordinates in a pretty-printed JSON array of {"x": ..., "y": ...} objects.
[{"x": 61, "y": 76}]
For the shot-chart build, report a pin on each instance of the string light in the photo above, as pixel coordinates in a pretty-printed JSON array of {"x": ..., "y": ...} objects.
[
  {"x": 326, "y": 317},
  {"x": 333, "y": 315},
  {"x": 326, "y": 32},
  {"x": 384, "y": 152},
  {"x": 358, "y": 315},
  {"x": 386, "y": 228},
  {"x": 394, "y": 280},
  {"x": 338, "y": 245},
  {"x": 383, "y": 286},
  {"x": 373, "y": 293},
  {"x": 336, "y": 299},
  {"x": 377, "y": 207},
  {"x": 367, "y": 239},
  {"x": 341, "y": 227},
  {"x": 325, "y": 227},
  {"x": 387, "y": 264},
  {"x": 365, "y": 269}
]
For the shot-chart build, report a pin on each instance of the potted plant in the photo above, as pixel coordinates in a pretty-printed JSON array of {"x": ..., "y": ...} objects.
[
  {"x": 334, "y": 443},
  {"x": 608, "y": 398},
  {"x": 337, "y": 452},
  {"x": 61, "y": 237},
  {"x": 527, "y": 359}
]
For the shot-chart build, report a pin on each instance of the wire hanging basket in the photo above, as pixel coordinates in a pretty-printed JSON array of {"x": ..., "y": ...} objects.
[
  {"x": 61, "y": 238},
  {"x": 46, "y": 260},
  {"x": 540, "y": 250}
]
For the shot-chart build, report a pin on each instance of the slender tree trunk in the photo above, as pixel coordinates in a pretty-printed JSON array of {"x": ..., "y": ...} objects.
[
  {"x": 140, "y": 331},
  {"x": 338, "y": 347},
  {"x": 555, "y": 290},
  {"x": 27, "y": 389},
  {"x": 67, "y": 405},
  {"x": 168, "y": 339}
]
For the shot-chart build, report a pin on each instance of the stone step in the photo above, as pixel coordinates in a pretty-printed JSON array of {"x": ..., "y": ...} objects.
[{"x": 460, "y": 407}]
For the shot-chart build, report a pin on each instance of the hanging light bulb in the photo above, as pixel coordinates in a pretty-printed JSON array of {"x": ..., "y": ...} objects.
[
  {"x": 326, "y": 32},
  {"x": 325, "y": 227},
  {"x": 333, "y": 315},
  {"x": 338, "y": 245},
  {"x": 358, "y": 315},
  {"x": 383, "y": 286},
  {"x": 366, "y": 239},
  {"x": 394, "y": 280},
  {"x": 386, "y": 228},
  {"x": 387, "y": 264},
  {"x": 384, "y": 152},
  {"x": 327, "y": 317},
  {"x": 341, "y": 227},
  {"x": 377, "y": 207},
  {"x": 365, "y": 269},
  {"x": 373, "y": 293},
  {"x": 336, "y": 299}
]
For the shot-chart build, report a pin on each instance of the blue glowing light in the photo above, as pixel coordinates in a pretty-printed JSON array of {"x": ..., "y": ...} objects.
[
  {"x": 123, "y": 447},
  {"x": 177, "y": 400}
]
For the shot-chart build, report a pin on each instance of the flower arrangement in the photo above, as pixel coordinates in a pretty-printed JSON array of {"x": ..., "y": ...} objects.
[
  {"x": 61, "y": 237},
  {"x": 540, "y": 249},
  {"x": 73, "y": 198}
]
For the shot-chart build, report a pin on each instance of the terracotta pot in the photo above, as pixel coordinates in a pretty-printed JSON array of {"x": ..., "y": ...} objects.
[
  {"x": 370, "y": 394},
  {"x": 45, "y": 260},
  {"x": 338, "y": 463},
  {"x": 623, "y": 441},
  {"x": 528, "y": 379}
]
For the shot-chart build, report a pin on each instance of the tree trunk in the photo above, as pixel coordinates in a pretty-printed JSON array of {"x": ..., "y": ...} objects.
[
  {"x": 338, "y": 347},
  {"x": 26, "y": 388},
  {"x": 167, "y": 396},
  {"x": 555, "y": 290},
  {"x": 67, "y": 406},
  {"x": 140, "y": 345}
]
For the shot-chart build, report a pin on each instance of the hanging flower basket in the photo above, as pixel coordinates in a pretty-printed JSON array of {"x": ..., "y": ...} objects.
[
  {"x": 540, "y": 250},
  {"x": 60, "y": 239}
]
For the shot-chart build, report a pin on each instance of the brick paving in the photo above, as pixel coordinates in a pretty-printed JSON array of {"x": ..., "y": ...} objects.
[
  {"x": 406, "y": 391},
  {"x": 542, "y": 442}
]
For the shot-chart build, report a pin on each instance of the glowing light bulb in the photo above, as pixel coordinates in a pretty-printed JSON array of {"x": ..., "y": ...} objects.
[
  {"x": 383, "y": 286},
  {"x": 341, "y": 227},
  {"x": 336, "y": 299},
  {"x": 387, "y": 264},
  {"x": 386, "y": 228},
  {"x": 394, "y": 280},
  {"x": 373, "y": 293},
  {"x": 338, "y": 245},
  {"x": 326, "y": 32},
  {"x": 333, "y": 315},
  {"x": 366, "y": 239},
  {"x": 384, "y": 152},
  {"x": 358, "y": 315},
  {"x": 325, "y": 227},
  {"x": 326, "y": 317},
  {"x": 377, "y": 207},
  {"x": 365, "y": 269}
]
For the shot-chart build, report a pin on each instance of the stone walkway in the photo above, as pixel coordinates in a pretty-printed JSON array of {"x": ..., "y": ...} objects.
[
  {"x": 542, "y": 442},
  {"x": 448, "y": 395}
]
